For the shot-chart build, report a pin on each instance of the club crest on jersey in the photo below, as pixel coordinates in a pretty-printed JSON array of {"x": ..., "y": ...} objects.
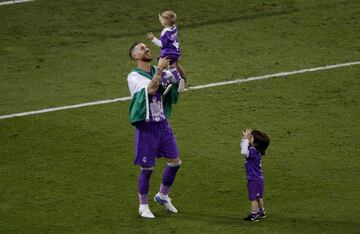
[{"x": 156, "y": 108}]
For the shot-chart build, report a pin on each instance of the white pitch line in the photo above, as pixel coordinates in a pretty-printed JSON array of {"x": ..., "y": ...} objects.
[
  {"x": 123, "y": 99},
  {"x": 14, "y": 2}
]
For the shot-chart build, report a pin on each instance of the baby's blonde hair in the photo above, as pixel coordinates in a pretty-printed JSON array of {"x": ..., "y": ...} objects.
[{"x": 169, "y": 16}]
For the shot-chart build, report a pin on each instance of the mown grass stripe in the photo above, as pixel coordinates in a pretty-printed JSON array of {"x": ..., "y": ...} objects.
[{"x": 237, "y": 81}]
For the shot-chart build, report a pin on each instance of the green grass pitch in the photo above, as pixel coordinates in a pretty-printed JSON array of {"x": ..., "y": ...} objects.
[{"x": 71, "y": 171}]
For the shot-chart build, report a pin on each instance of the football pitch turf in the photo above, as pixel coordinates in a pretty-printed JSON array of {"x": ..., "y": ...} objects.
[{"x": 71, "y": 171}]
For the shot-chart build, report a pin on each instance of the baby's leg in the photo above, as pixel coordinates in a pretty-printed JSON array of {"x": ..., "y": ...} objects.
[
  {"x": 181, "y": 70},
  {"x": 175, "y": 76}
]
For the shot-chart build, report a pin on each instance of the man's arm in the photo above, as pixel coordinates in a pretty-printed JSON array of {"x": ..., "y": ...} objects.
[
  {"x": 154, "y": 83},
  {"x": 156, "y": 80}
]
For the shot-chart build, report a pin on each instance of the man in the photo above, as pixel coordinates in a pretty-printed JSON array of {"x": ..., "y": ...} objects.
[{"x": 149, "y": 110}]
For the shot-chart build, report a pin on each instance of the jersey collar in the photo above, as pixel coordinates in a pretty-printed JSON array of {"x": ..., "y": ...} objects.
[{"x": 146, "y": 74}]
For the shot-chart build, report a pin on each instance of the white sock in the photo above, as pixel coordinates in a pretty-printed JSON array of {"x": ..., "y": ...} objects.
[
  {"x": 143, "y": 206},
  {"x": 162, "y": 196}
]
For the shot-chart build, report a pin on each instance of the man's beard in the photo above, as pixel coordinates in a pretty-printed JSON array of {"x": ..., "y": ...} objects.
[{"x": 146, "y": 59}]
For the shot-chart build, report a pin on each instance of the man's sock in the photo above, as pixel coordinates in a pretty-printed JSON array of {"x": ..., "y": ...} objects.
[
  {"x": 143, "y": 183},
  {"x": 169, "y": 177}
]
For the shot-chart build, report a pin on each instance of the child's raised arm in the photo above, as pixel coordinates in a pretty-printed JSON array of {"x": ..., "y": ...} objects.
[
  {"x": 244, "y": 144},
  {"x": 153, "y": 39}
]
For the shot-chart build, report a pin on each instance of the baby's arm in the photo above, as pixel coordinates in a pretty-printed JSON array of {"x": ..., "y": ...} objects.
[
  {"x": 154, "y": 39},
  {"x": 157, "y": 42}
]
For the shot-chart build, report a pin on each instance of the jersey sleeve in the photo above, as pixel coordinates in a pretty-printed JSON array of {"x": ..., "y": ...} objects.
[
  {"x": 244, "y": 145},
  {"x": 157, "y": 42},
  {"x": 136, "y": 82}
]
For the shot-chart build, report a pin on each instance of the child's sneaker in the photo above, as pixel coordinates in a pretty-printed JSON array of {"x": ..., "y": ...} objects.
[
  {"x": 253, "y": 217},
  {"x": 169, "y": 77},
  {"x": 261, "y": 214},
  {"x": 181, "y": 87},
  {"x": 167, "y": 89},
  {"x": 165, "y": 201}
]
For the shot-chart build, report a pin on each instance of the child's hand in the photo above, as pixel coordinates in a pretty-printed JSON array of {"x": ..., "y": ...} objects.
[
  {"x": 150, "y": 36},
  {"x": 247, "y": 134}
]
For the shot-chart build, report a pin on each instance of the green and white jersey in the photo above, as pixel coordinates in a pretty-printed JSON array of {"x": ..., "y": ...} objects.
[{"x": 147, "y": 107}]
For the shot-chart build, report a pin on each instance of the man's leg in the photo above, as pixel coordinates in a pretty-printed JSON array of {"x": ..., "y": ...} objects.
[
  {"x": 170, "y": 151},
  {"x": 143, "y": 182},
  {"x": 145, "y": 157},
  {"x": 168, "y": 178},
  {"x": 169, "y": 175},
  {"x": 143, "y": 190}
]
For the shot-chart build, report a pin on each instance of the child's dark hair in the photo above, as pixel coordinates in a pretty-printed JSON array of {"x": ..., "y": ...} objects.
[{"x": 261, "y": 141}]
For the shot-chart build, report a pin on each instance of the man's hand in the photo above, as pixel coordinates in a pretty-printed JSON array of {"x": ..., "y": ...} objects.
[
  {"x": 150, "y": 36},
  {"x": 163, "y": 63},
  {"x": 247, "y": 134}
]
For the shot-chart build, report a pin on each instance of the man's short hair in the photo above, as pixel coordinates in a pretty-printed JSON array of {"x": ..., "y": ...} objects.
[{"x": 132, "y": 49}]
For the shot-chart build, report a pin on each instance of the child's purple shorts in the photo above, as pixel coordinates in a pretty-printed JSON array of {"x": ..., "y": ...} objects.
[
  {"x": 172, "y": 57},
  {"x": 255, "y": 189},
  {"x": 152, "y": 140}
]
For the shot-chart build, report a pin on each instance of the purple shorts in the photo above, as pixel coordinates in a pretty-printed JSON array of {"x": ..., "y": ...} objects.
[
  {"x": 152, "y": 140},
  {"x": 255, "y": 189},
  {"x": 173, "y": 58}
]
